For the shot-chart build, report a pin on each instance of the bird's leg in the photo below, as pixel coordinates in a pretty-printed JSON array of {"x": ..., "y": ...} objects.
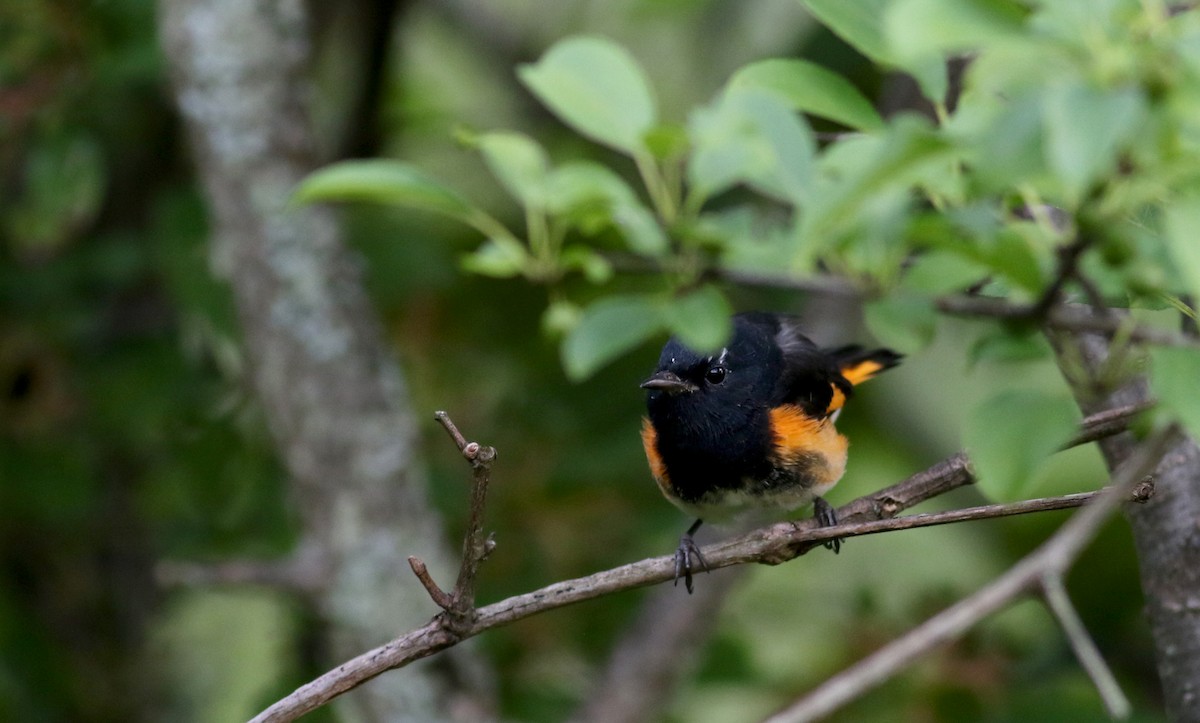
[
  {"x": 687, "y": 551},
  {"x": 827, "y": 517}
]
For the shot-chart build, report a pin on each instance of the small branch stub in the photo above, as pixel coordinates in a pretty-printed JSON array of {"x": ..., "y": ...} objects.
[
  {"x": 444, "y": 420},
  {"x": 1143, "y": 490},
  {"x": 439, "y": 596}
]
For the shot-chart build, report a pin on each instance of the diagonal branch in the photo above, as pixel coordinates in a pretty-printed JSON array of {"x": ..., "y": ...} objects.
[
  {"x": 1053, "y": 557},
  {"x": 1059, "y": 602},
  {"x": 773, "y": 545}
]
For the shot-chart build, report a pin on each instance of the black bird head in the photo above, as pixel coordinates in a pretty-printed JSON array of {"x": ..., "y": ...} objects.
[{"x": 724, "y": 388}]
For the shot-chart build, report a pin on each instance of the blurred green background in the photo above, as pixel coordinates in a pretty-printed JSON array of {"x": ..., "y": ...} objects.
[{"x": 128, "y": 434}]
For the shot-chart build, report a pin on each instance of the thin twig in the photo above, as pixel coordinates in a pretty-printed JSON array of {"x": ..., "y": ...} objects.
[
  {"x": 440, "y": 597},
  {"x": 1053, "y": 556},
  {"x": 771, "y": 545},
  {"x": 1068, "y": 266},
  {"x": 444, "y": 420},
  {"x": 1106, "y": 423},
  {"x": 1059, "y": 603}
]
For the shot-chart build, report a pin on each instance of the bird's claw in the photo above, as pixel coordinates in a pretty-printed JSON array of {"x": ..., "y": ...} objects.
[
  {"x": 825, "y": 515},
  {"x": 684, "y": 554}
]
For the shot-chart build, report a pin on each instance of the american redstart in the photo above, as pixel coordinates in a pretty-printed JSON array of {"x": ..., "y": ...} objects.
[{"x": 751, "y": 426}]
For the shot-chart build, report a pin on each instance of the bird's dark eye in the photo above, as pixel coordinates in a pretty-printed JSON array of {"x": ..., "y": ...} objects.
[{"x": 715, "y": 375}]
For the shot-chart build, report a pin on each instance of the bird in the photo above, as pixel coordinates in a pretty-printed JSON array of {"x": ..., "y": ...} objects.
[{"x": 749, "y": 429}]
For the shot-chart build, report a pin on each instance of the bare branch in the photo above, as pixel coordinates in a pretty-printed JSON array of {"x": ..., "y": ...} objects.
[
  {"x": 1052, "y": 557},
  {"x": 772, "y": 545},
  {"x": 1059, "y": 602},
  {"x": 1068, "y": 317},
  {"x": 1107, "y": 423}
]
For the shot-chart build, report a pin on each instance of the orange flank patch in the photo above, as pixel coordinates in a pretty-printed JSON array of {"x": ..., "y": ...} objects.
[
  {"x": 862, "y": 371},
  {"x": 800, "y": 438},
  {"x": 657, "y": 467}
]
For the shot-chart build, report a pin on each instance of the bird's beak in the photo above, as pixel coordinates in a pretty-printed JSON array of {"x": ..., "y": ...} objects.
[{"x": 669, "y": 382}]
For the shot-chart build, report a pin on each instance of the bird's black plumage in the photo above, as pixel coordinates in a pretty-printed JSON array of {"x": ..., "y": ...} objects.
[{"x": 751, "y": 425}]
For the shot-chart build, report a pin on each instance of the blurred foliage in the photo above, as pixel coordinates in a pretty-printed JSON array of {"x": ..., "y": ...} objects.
[{"x": 128, "y": 434}]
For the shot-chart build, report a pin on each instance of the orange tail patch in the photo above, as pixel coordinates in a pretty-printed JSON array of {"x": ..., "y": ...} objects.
[
  {"x": 862, "y": 371},
  {"x": 858, "y": 368}
]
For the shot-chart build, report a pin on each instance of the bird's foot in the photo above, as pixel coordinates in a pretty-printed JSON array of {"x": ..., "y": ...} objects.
[
  {"x": 687, "y": 552},
  {"x": 825, "y": 515}
]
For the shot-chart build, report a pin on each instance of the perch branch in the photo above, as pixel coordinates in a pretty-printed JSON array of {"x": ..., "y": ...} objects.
[{"x": 775, "y": 544}]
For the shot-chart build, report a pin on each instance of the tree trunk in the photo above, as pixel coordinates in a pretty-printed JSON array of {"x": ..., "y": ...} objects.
[
  {"x": 332, "y": 393},
  {"x": 1166, "y": 532}
]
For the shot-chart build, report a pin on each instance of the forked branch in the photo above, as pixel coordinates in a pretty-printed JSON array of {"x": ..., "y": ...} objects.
[{"x": 775, "y": 544}]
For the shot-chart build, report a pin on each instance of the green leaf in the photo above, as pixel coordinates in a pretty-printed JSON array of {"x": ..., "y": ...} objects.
[
  {"x": 858, "y": 171},
  {"x": 810, "y": 88},
  {"x": 917, "y": 29},
  {"x": 1085, "y": 129},
  {"x": 943, "y": 272},
  {"x": 519, "y": 163},
  {"x": 641, "y": 230},
  {"x": 579, "y": 186},
  {"x": 1004, "y": 139},
  {"x": 1182, "y": 228},
  {"x": 382, "y": 181},
  {"x": 1173, "y": 378},
  {"x": 1004, "y": 345},
  {"x": 560, "y": 317},
  {"x": 750, "y": 136},
  {"x": 595, "y": 267},
  {"x": 667, "y": 141},
  {"x": 860, "y": 23},
  {"x": 1010, "y": 434},
  {"x": 1012, "y": 255},
  {"x": 498, "y": 257},
  {"x": 905, "y": 323},
  {"x": 701, "y": 319},
  {"x": 596, "y": 87},
  {"x": 608, "y": 328}
]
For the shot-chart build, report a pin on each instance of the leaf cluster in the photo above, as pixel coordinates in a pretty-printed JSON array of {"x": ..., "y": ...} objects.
[{"x": 1074, "y": 127}]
